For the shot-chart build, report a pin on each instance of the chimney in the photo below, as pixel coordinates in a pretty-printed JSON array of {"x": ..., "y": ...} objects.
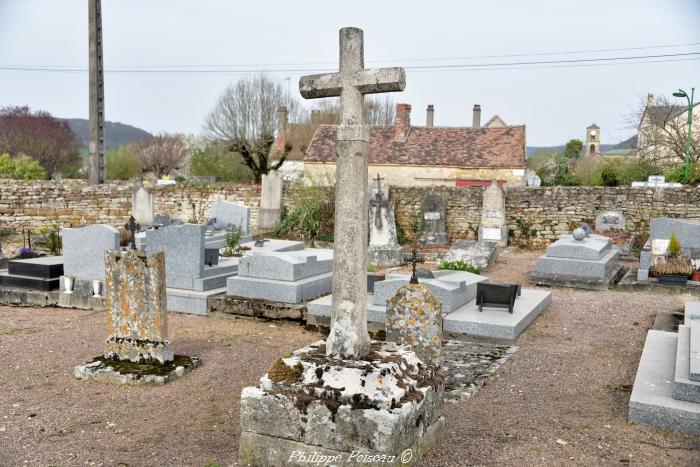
[
  {"x": 650, "y": 100},
  {"x": 315, "y": 116},
  {"x": 403, "y": 122},
  {"x": 476, "y": 119},
  {"x": 429, "y": 116}
]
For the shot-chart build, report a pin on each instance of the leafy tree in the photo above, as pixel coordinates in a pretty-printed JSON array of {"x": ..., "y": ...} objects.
[
  {"x": 7, "y": 166},
  {"x": 572, "y": 150},
  {"x": 122, "y": 163},
  {"x": 244, "y": 117},
  {"x": 216, "y": 161},
  {"x": 39, "y": 135},
  {"x": 678, "y": 174}
]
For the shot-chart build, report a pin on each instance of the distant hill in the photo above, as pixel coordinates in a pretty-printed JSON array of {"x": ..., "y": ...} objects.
[
  {"x": 629, "y": 143},
  {"x": 116, "y": 133}
]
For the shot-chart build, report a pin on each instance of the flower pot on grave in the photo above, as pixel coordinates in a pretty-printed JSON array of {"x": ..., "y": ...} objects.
[
  {"x": 372, "y": 278},
  {"x": 670, "y": 279},
  {"x": 653, "y": 273},
  {"x": 695, "y": 276}
]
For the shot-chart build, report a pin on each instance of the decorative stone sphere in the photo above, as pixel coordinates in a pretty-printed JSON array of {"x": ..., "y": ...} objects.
[{"x": 579, "y": 234}]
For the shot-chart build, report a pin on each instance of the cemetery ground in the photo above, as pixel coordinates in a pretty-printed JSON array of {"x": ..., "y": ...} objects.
[{"x": 562, "y": 398}]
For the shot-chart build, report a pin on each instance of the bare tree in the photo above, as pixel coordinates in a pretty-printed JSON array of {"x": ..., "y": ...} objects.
[
  {"x": 161, "y": 154},
  {"x": 378, "y": 110},
  {"x": 244, "y": 117},
  {"x": 663, "y": 131}
]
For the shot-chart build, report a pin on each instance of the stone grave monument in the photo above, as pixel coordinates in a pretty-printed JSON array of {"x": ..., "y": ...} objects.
[
  {"x": 686, "y": 230},
  {"x": 270, "y": 201},
  {"x": 285, "y": 277},
  {"x": 398, "y": 403},
  {"x": 433, "y": 219},
  {"x": 225, "y": 214},
  {"x": 41, "y": 273},
  {"x": 493, "y": 218},
  {"x": 83, "y": 259},
  {"x": 137, "y": 350},
  {"x": 612, "y": 224},
  {"x": 666, "y": 391},
  {"x": 414, "y": 318},
  {"x": 384, "y": 248},
  {"x": 190, "y": 278},
  {"x": 579, "y": 261},
  {"x": 142, "y": 205},
  {"x": 477, "y": 253}
]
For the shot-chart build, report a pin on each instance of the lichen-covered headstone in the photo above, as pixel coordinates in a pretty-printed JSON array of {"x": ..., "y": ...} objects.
[
  {"x": 414, "y": 317},
  {"x": 135, "y": 300}
]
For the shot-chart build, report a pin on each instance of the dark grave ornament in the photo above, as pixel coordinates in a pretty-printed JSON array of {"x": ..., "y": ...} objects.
[
  {"x": 496, "y": 295},
  {"x": 414, "y": 260},
  {"x": 379, "y": 202}
]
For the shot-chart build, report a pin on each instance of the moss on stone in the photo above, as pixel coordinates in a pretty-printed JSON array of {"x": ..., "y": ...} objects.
[
  {"x": 280, "y": 371},
  {"x": 141, "y": 370}
]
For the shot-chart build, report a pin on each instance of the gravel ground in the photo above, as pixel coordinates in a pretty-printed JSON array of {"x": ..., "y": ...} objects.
[{"x": 561, "y": 399}]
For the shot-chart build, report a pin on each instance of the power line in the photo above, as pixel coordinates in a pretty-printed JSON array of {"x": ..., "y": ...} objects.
[
  {"x": 402, "y": 60},
  {"x": 454, "y": 67}
]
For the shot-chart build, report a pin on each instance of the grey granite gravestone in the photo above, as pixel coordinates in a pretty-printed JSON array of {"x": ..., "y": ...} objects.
[
  {"x": 687, "y": 231},
  {"x": 283, "y": 277},
  {"x": 227, "y": 214},
  {"x": 162, "y": 219},
  {"x": 433, "y": 219},
  {"x": 84, "y": 255},
  {"x": 476, "y": 253},
  {"x": 585, "y": 262},
  {"x": 609, "y": 220}
]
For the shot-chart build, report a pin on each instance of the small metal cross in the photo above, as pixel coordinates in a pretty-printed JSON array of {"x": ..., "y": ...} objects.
[
  {"x": 379, "y": 202},
  {"x": 132, "y": 227},
  {"x": 414, "y": 260}
]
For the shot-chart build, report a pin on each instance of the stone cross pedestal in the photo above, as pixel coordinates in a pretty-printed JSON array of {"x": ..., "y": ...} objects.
[
  {"x": 348, "y": 336},
  {"x": 270, "y": 201},
  {"x": 137, "y": 349}
]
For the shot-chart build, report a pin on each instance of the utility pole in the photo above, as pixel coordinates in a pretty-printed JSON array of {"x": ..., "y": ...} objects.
[
  {"x": 689, "y": 139},
  {"x": 96, "y": 145}
]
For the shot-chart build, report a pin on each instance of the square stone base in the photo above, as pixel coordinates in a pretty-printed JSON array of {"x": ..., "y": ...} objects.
[
  {"x": 388, "y": 256},
  {"x": 114, "y": 371},
  {"x": 309, "y": 404}
]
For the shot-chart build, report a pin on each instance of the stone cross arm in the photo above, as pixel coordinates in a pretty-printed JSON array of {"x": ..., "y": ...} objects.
[{"x": 370, "y": 81}]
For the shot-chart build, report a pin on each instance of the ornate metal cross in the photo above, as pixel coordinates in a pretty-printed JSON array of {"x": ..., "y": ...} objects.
[
  {"x": 348, "y": 337},
  {"x": 379, "y": 202},
  {"x": 132, "y": 227},
  {"x": 414, "y": 260}
]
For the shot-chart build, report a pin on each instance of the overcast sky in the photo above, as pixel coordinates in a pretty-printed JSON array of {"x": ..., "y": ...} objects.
[{"x": 555, "y": 103}]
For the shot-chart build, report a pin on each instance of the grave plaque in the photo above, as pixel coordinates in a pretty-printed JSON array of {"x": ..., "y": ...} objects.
[
  {"x": 435, "y": 227},
  {"x": 493, "y": 223},
  {"x": 609, "y": 220}
]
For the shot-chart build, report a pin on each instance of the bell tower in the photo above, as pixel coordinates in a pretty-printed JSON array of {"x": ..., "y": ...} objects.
[{"x": 592, "y": 140}]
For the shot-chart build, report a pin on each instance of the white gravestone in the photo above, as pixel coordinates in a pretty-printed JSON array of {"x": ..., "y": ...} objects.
[{"x": 493, "y": 222}]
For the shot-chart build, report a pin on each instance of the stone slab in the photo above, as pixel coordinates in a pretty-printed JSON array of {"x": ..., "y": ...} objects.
[
  {"x": 29, "y": 282},
  {"x": 45, "y": 267},
  {"x": 495, "y": 323},
  {"x": 257, "y": 308},
  {"x": 183, "y": 246},
  {"x": 630, "y": 282},
  {"x": 274, "y": 245},
  {"x": 598, "y": 268},
  {"x": 685, "y": 389},
  {"x": 106, "y": 371},
  {"x": 590, "y": 283},
  {"x": 321, "y": 307},
  {"x": 387, "y": 256},
  {"x": 227, "y": 213},
  {"x": 280, "y": 291},
  {"x": 477, "y": 253},
  {"x": 191, "y": 301},
  {"x": 14, "y": 296},
  {"x": 82, "y": 302},
  {"x": 286, "y": 266},
  {"x": 692, "y": 319},
  {"x": 687, "y": 231},
  {"x": 591, "y": 248},
  {"x": 651, "y": 402}
]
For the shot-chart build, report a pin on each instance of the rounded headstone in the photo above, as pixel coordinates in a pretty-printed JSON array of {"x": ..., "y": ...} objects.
[{"x": 579, "y": 234}]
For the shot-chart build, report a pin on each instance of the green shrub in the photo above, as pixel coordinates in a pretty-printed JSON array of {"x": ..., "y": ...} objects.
[
  {"x": 233, "y": 242},
  {"x": 50, "y": 238},
  {"x": 459, "y": 265},
  {"x": 7, "y": 166},
  {"x": 27, "y": 168},
  {"x": 122, "y": 163},
  {"x": 674, "y": 245},
  {"x": 678, "y": 174}
]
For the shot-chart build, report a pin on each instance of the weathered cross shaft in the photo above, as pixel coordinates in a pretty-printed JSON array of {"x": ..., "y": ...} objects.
[{"x": 348, "y": 336}]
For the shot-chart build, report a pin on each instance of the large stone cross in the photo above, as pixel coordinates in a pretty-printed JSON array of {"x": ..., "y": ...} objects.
[{"x": 348, "y": 337}]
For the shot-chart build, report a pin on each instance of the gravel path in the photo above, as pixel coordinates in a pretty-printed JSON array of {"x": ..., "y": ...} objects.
[{"x": 561, "y": 399}]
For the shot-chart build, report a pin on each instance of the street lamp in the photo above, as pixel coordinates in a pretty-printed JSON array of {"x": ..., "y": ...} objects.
[{"x": 689, "y": 141}]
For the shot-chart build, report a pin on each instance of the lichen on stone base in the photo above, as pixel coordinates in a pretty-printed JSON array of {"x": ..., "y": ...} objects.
[{"x": 383, "y": 403}]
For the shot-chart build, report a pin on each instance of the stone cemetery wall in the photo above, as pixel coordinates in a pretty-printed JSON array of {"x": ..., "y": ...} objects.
[
  {"x": 74, "y": 203},
  {"x": 535, "y": 216}
]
